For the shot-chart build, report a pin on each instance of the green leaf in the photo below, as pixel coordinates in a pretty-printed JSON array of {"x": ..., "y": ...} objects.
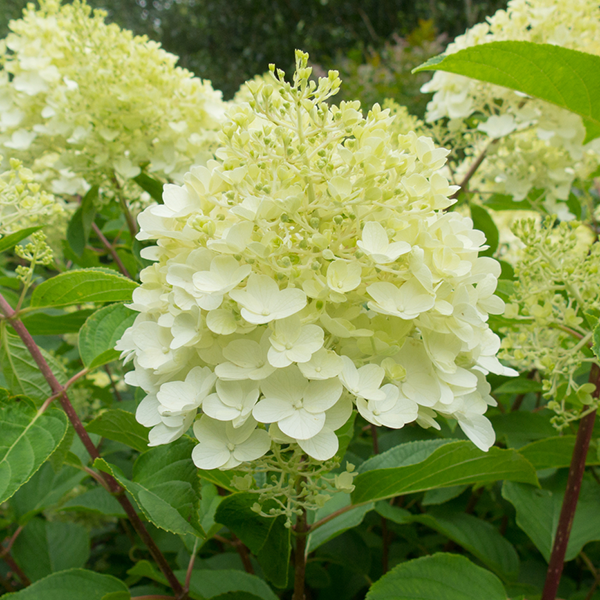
[
  {"x": 21, "y": 372},
  {"x": 27, "y": 439},
  {"x": 74, "y": 584},
  {"x": 403, "y": 455},
  {"x": 518, "y": 428},
  {"x": 221, "y": 479},
  {"x": 519, "y": 385},
  {"x": 207, "y": 508},
  {"x": 207, "y": 584},
  {"x": 80, "y": 225},
  {"x": 8, "y": 241},
  {"x": 441, "y": 576},
  {"x": 596, "y": 345},
  {"x": 476, "y": 536},
  {"x": 212, "y": 584},
  {"x": 339, "y": 524},
  {"x": 96, "y": 501},
  {"x": 101, "y": 332},
  {"x": 164, "y": 485},
  {"x": 556, "y": 452},
  {"x": 443, "y": 495},
  {"x": 43, "y": 324},
  {"x": 81, "y": 286},
  {"x": 120, "y": 426},
  {"x": 564, "y": 77},
  {"x": 45, "y": 547},
  {"x": 456, "y": 463},
  {"x": 538, "y": 511},
  {"x": 268, "y": 539},
  {"x": 505, "y": 202},
  {"x": 150, "y": 185},
  {"x": 484, "y": 222},
  {"x": 44, "y": 490}
]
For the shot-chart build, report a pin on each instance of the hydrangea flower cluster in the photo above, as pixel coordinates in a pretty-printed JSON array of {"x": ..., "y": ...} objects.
[
  {"x": 81, "y": 100},
  {"x": 22, "y": 202},
  {"x": 555, "y": 308},
  {"x": 536, "y": 145},
  {"x": 308, "y": 270}
]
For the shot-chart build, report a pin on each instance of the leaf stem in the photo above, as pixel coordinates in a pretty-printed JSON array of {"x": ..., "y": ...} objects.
[
  {"x": 300, "y": 556},
  {"x": 16, "y": 569},
  {"x": 112, "y": 484},
  {"x": 567, "y": 513}
]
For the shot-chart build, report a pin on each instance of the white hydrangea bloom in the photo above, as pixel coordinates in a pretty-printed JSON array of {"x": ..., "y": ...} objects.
[
  {"x": 537, "y": 146},
  {"x": 316, "y": 271}
]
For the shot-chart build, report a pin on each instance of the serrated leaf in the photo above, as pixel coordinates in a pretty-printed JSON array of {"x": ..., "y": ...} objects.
[
  {"x": 538, "y": 511},
  {"x": 44, "y": 490},
  {"x": 74, "y": 584},
  {"x": 268, "y": 539},
  {"x": 561, "y": 76},
  {"x": 556, "y": 452},
  {"x": 165, "y": 486},
  {"x": 8, "y": 241},
  {"x": 456, "y": 463},
  {"x": 43, "y": 324},
  {"x": 120, "y": 426},
  {"x": 46, "y": 547},
  {"x": 519, "y": 385},
  {"x": 21, "y": 372},
  {"x": 81, "y": 286},
  {"x": 101, "y": 332},
  {"x": 441, "y": 576},
  {"x": 27, "y": 439},
  {"x": 96, "y": 501},
  {"x": 80, "y": 225},
  {"x": 484, "y": 222}
]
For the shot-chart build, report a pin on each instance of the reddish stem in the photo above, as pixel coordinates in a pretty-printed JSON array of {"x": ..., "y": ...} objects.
[
  {"x": 300, "y": 556},
  {"x": 112, "y": 250},
  {"x": 16, "y": 569},
  {"x": 111, "y": 483},
  {"x": 569, "y": 505}
]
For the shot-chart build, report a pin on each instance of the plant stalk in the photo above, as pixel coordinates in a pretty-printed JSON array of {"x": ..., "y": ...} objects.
[
  {"x": 569, "y": 505},
  {"x": 112, "y": 484},
  {"x": 300, "y": 556}
]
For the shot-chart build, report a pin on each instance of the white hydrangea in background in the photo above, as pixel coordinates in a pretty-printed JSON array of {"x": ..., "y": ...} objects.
[
  {"x": 309, "y": 270},
  {"x": 22, "y": 202},
  {"x": 81, "y": 100},
  {"x": 537, "y": 146}
]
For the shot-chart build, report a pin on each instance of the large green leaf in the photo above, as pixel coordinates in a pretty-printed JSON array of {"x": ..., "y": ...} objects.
[
  {"x": 267, "y": 539},
  {"x": 96, "y": 501},
  {"x": 80, "y": 224},
  {"x": 83, "y": 285},
  {"x": 556, "y": 452},
  {"x": 43, "y": 324},
  {"x": 207, "y": 584},
  {"x": 101, "y": 332},
  {"x": 21, "y": 373},
  {"x": 74, "y": 584},
  {"x": 27, "y": 439},
  {"x": 150, "y": 185},
  {"x": 476, "y": 536},
  {"x": 538, "y": 511},
  {"x": 564, "y": 77},
  {"x": 339, "y": 524},
  {"x": 120, "y": 426},
  {"x": 165, "y": 485},
  {"x": 521, "y": 427},
  {"x": 455, "y": 463},
  {"x": 45, "y": 547},
  {"x": 8, "y": 241},
  {"x": 438, "y": 577},
  {"x": 44, "y": 490}
]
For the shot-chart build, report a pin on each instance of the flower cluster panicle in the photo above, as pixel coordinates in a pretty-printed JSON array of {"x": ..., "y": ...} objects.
[
  {"x": 22, "y": 201},
  {"x": 308, "y": 270},
  {"x": 555, "y": 306},
  {"x": 81, "y": 100},
  {"x": 531, "y": 145}
]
